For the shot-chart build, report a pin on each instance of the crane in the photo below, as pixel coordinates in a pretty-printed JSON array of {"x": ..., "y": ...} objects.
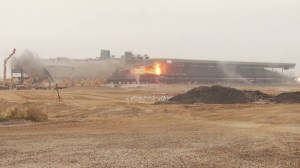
[{"x": 5, "y": 62}]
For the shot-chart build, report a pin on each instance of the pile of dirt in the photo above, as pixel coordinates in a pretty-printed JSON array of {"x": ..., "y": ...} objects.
[
  {"x": 290, "y": 97},
  {"x": 225, "y": 95},
  {"x": 215, "y": 95},
  {"x": 258, "y": 95}
]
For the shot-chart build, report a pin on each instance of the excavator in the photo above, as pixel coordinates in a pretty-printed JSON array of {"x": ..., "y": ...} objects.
[{"x": 4, "y": 82}]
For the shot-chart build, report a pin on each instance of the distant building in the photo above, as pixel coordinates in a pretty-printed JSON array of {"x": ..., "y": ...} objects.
[{"x": 105, "y": 54}]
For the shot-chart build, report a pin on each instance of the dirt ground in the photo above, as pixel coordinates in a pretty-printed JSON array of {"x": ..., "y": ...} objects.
[{"x": 104, "y": 127}]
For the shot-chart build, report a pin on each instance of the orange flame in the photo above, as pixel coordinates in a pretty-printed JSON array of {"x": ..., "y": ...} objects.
[{"x": 157, "y": 69}]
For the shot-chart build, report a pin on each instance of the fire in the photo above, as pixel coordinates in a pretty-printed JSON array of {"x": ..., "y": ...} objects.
[
  {"x": 154, "y": 69},
  {"x": 157, "y": 69}
]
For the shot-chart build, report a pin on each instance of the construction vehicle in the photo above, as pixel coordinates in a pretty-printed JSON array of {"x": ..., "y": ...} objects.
[
  {"x": 45, "y": 84},
  {"x": 4, "y": 72},
  {"x": 69, "y": 82},
  {"x": 27, "y": 84},
  {"x": 90, "y": 82}
]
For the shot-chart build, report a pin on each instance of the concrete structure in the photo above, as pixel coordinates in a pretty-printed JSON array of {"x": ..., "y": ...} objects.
[
  {"x": 105, "y": 54},
  {"x": 204, "y": 71},
  {"x": 131, "y": 68}
]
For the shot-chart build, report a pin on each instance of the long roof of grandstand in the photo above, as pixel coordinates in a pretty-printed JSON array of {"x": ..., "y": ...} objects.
[{"x": 229, "y": 63}]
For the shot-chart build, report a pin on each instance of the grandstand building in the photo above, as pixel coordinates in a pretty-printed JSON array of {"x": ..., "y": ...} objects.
[{"x": 141, "y": 69}]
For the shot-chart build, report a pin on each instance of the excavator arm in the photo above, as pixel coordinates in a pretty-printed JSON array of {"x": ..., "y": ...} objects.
[{"x": 5, "y": 62}]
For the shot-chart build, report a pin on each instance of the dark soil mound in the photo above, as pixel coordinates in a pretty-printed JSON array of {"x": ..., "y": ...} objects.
[
  {"x": 225, "y": 95},
  {"x": 215, "y": 95},
  {"x": 258, "y": 95},
  {"x": 291, "y": 97}
]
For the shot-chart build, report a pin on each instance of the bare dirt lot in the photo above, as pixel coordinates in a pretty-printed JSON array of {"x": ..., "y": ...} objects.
[{"x": 120, "y": 127}]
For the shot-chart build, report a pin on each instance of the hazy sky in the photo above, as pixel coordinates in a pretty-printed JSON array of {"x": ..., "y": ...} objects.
[{"x": 237, "y": 30}]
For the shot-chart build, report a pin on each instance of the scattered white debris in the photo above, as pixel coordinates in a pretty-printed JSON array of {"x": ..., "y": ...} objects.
[{"x": 149, "y": 98}]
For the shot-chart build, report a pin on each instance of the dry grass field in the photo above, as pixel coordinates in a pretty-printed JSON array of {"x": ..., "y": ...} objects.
[{"x": 121, "y": 127}]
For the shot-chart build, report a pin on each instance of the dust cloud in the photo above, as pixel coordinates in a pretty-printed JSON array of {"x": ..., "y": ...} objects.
[
  {"x": 29, "y": 64},
  {"x": 62, "y": 68}
]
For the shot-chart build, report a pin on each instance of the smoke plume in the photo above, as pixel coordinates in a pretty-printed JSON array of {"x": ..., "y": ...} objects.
[
  {"x": 30, "y": 65},
  {"x": 62, "y": 68}
]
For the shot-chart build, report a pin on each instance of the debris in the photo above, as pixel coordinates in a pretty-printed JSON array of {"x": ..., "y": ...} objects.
[
  {"x": 213, "y": 95},
  {"x": 289, "y": 97},
  {"x": 162, "y": 98},
  {"x": 258, "y": 95},
  {"x": 225, "y": 95}
]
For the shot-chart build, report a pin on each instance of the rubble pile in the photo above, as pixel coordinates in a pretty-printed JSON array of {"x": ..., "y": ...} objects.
[
  {"x": 258, "y": 95},
  {"x": 288, "y": 98},
  {"x": 213, "y": 95},
  {"x": 226, "y": 95}
]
